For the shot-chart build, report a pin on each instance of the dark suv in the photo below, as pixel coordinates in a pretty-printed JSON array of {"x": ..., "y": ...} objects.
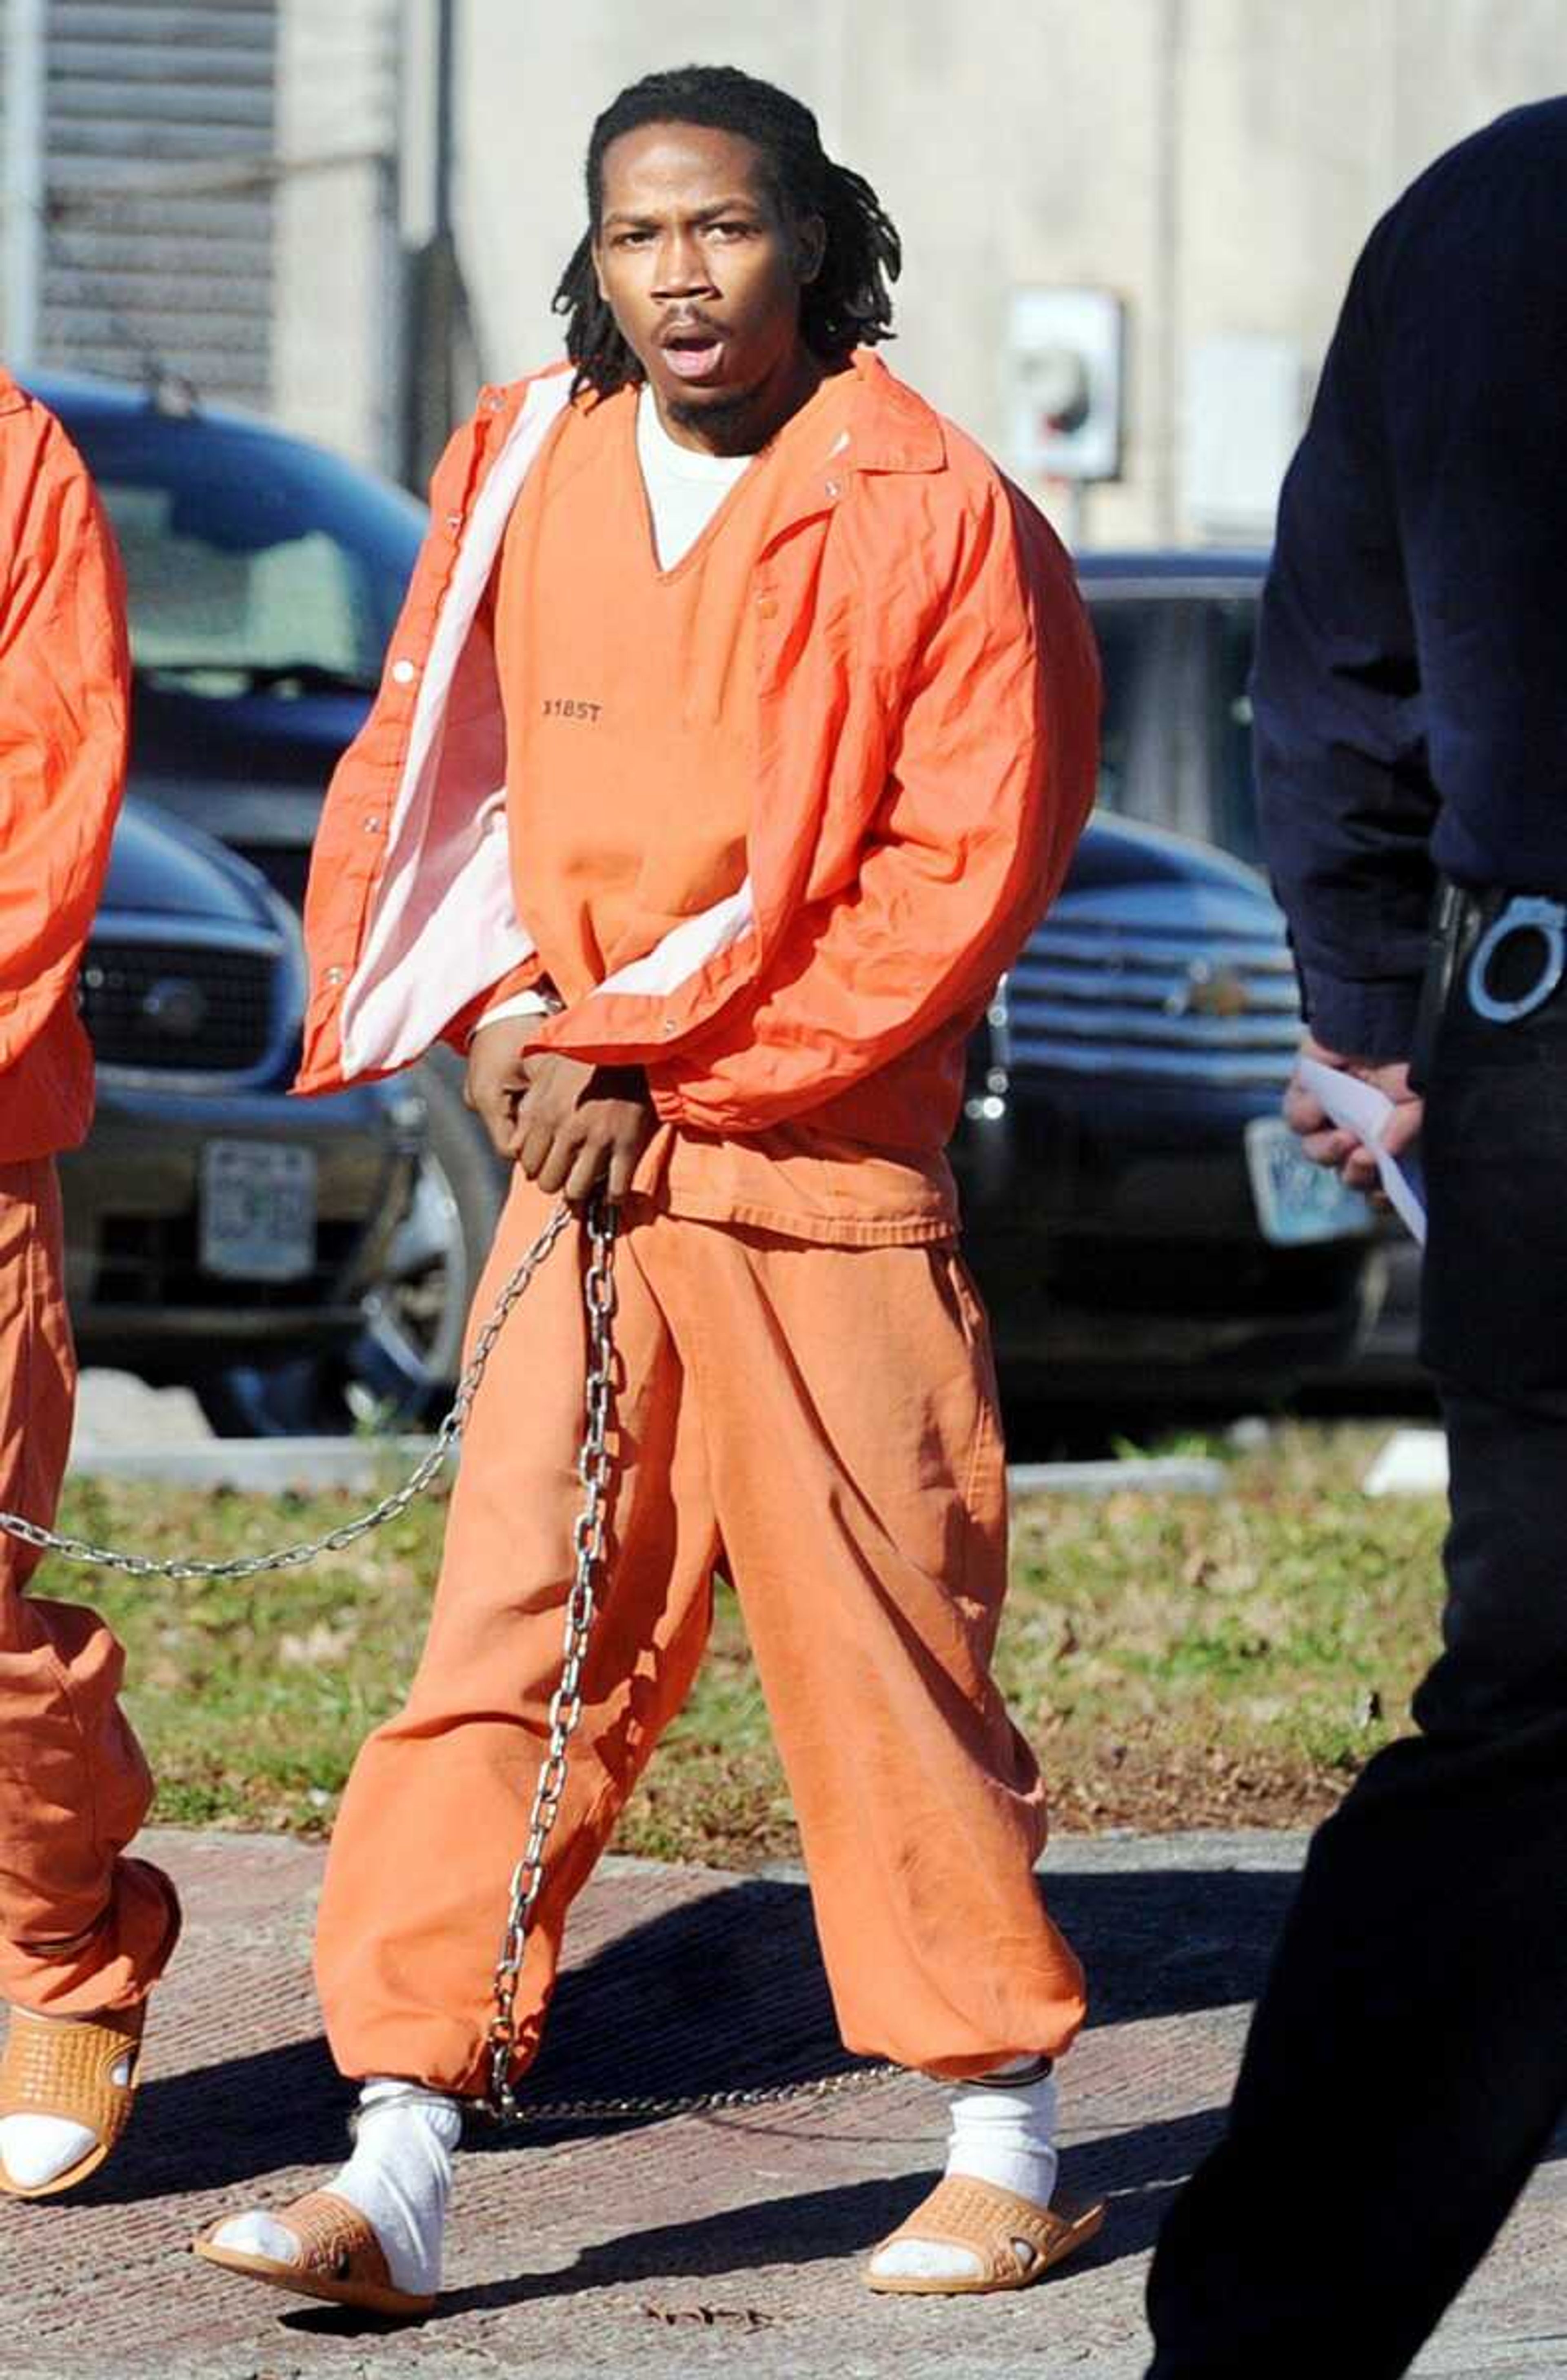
[
  {"x": 1137, "y": 1211},
  {"x": 1142, "y": 1225},
  {"x": 1176, "y": 632}
]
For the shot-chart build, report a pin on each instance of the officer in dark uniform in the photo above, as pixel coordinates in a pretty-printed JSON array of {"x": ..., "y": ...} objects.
[{"x": 1408, "y": 2061}]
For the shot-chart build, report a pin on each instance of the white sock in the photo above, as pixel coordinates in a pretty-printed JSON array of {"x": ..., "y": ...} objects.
[
  {"x": 37, "y": 2149},
  {"x": 399, "y": 2177},
  {"x": 1007, "y": 2137},
  {"x": 1003, "y": 2137}
]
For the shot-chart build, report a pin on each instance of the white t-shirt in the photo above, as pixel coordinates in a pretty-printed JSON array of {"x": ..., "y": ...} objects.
[{"x": 684, "y": 487}]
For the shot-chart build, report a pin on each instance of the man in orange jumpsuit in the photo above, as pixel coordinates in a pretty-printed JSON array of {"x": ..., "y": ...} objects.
[
  {"x": 739, "y": 725},
  {"x": 84, "y": 1932}
]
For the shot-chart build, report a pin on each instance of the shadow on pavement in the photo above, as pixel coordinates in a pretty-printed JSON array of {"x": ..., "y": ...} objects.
[
  {"x": 228, "y": 2124},
  {"x": 729, "y": 1992},
  {"x": 726, "y": 1993},
  {"x": 1137, "y": 2171}
]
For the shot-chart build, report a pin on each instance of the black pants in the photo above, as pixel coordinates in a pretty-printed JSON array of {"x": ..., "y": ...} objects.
[{"x": 1408, "y": 2060}]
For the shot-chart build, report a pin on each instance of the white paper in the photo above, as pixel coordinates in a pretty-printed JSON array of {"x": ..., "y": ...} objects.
[{"x": 1360, "y": 1108}]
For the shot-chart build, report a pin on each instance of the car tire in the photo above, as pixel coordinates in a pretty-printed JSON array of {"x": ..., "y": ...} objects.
[
  {"x": 406, "y": 1362},
  {"x": 402, "y": 1370}
]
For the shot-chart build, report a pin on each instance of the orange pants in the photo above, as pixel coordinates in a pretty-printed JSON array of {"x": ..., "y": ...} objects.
[
  {"x": 819, "y": 1425},
  {"x": 81, "y": 1929}
]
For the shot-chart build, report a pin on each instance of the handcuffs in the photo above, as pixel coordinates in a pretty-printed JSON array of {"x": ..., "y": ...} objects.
[{"x": 1525, "y": 913}]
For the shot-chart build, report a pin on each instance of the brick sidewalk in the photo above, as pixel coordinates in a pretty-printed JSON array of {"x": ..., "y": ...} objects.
[{"x": 695, "y": 2244}]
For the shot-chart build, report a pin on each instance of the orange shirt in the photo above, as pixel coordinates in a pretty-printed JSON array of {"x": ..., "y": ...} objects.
[{"x": 630, "y": 710}]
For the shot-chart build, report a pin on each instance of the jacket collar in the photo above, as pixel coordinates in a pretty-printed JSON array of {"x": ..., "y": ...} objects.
[{"x": 892, "y": 429}]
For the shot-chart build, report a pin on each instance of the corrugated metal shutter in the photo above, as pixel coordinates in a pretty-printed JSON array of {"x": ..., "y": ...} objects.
[{"x": 159, "y": 140}]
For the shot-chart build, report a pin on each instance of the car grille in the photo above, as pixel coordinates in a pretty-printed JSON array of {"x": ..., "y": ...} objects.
[
  {"x": 172, "y": 1007},
  {"x": 1176, "y": 1001}
]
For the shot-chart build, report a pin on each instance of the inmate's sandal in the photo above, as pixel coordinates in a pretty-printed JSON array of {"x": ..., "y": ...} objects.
[
  {"x": 340, "y": 2258},
  {"x": 1013, "y": 2243},
  {"x": 77, "y": 2071}
]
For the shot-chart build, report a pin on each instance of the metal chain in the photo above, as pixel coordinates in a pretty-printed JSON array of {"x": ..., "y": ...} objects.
[
  {"x": 80, "y": 1549},
  {"x": 653, "y": 2109},
  {"x": 593, "y": 1466},
  {"x": 594, "y": 1469}
]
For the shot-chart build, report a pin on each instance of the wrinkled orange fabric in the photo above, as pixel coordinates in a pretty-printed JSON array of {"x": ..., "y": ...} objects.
[
  {"x": 82, "y": 1928},
  {"x": 64, "y": 685},
  {"x": 926, "y": 703},
  {"x": 865, "y": 1531},
  {"x": 630, "y": 703}
]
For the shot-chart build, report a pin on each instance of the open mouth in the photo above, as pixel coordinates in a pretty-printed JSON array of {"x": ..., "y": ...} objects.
[{"x": 693, "y": 354}]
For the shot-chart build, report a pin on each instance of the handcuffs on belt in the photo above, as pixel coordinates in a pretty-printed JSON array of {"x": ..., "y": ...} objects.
[{"x": 1525, "y": 913}]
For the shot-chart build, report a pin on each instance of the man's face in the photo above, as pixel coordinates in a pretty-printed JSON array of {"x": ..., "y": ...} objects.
[{"x": 702, "y": 271}]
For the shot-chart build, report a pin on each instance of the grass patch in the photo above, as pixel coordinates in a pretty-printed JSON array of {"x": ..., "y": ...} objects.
[{"x": 1176, "y": 1660}]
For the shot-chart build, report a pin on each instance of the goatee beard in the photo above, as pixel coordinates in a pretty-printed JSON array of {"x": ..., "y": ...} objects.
[{"x": 722, "y": 418}]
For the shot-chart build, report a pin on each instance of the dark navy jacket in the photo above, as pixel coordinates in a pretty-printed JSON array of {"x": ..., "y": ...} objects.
[{"x": 1411, "y": 683}]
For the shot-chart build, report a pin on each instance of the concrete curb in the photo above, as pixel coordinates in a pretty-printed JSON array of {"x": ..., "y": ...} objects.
[
  {"x": 272, "y": 1466},
  {"x": 268, "y": 1466}
]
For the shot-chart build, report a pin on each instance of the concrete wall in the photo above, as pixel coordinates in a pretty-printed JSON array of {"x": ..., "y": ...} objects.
[
  {"x": 336, "y": 369},
  {"x": 1216, "y": 162}
]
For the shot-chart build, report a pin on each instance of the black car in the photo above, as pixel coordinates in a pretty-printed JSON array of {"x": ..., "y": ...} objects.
[
  {"x": 1176, "y": 634},
  {"x": 1143, "y": 1225},
  {"x": 264, "y": 578},
  {"x": 217, "y": 1232}
]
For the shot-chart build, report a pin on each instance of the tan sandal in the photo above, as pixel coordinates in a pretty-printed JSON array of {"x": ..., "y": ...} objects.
[
  {"x": 342, "y": 2259},
  {"x": 66, "y": 2070},
  {"x": 992, "y": 2224}
]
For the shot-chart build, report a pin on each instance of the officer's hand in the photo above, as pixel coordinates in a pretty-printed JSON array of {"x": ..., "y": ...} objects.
[
  {"x": 496, "y": 1081},
  {"x": 1327, "y": 1143},
  {"x": 579, "y": 1125}
]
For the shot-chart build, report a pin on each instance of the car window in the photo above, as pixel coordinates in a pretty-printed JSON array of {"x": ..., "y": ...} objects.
[
  {"x": 1230, "y": 635},
  {"x": 1176, "y": 732},
  {"x": 254, "y": 563},
  {"x": 1137, "y": 644}
]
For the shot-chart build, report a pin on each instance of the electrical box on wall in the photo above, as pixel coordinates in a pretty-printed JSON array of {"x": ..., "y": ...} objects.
[
  {"x": 1065, "y": 383},
  {"x": 1244, "y": 409}
]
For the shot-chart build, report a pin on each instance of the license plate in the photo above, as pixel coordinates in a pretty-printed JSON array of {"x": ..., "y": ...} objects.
[
  {"x": 1298, "y": 1202},
  {"x": 258, "y": 1210}
]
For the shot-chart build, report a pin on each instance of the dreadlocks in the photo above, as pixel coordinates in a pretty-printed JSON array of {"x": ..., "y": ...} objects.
[{"x": 847, "y": 305}]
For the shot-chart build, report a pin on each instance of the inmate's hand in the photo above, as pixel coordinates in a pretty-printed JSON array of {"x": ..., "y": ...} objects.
[
  {"x": 580, "y": 1124},
  {"x": 496, "y": 1080},
  {"x": 1329, "y": 1143}
]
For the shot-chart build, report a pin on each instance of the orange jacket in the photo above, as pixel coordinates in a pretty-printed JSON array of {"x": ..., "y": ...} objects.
[
  {"x": 64, "y": 676},
  {"x": 926, "y": 735}
]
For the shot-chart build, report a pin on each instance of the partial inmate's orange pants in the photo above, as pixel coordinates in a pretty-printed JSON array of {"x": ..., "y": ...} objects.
[
  {"x": 819, "y": 1425},
  {"x": 82, "y": 1928}
]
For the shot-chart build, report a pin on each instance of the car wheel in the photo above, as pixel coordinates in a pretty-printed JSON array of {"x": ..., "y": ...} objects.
[
  {"x": 406, "y": 1364},
  {"x": 402, "y": 1367}
]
